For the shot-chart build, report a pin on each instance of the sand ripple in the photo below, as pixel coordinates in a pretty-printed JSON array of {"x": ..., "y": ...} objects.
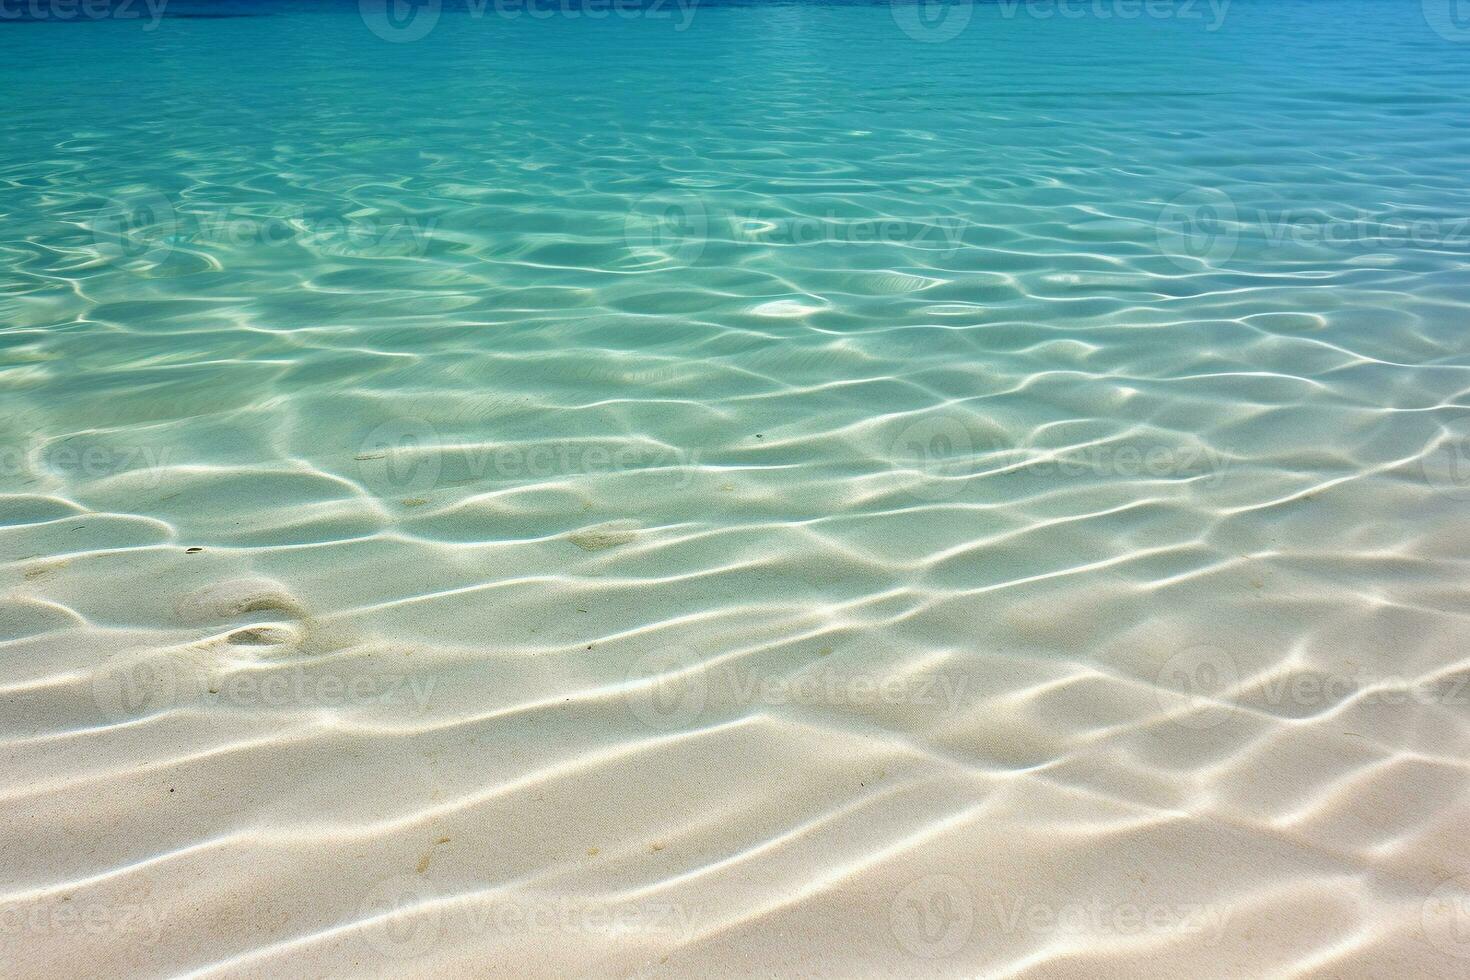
[{"x": 572, "y": 497}]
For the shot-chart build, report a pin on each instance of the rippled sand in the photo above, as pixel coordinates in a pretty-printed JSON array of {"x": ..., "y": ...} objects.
[{"x": 780, "y": 493}]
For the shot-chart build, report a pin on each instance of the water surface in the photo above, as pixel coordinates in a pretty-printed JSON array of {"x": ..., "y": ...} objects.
[{"x": 835, "y": 485}]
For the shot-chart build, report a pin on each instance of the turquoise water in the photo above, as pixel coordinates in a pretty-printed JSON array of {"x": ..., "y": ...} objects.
[{"x": 1108, "y": 360}]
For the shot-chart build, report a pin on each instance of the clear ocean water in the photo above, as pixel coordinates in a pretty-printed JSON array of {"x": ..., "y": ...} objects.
[{"x": 612, "y": 371}]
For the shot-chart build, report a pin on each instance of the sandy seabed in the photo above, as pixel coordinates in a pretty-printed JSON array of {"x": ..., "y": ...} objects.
[{"x": 792, "y": 527}]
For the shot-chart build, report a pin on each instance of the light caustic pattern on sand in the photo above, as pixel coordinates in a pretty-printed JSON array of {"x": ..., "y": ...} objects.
[{"x": 561, "y": 495}]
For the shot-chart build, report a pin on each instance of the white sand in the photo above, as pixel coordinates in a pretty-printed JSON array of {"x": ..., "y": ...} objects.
[{"x": 393, "y": 756}]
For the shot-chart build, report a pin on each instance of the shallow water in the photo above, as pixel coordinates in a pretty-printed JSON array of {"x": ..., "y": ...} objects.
[{"x": 736, "y": 489}]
